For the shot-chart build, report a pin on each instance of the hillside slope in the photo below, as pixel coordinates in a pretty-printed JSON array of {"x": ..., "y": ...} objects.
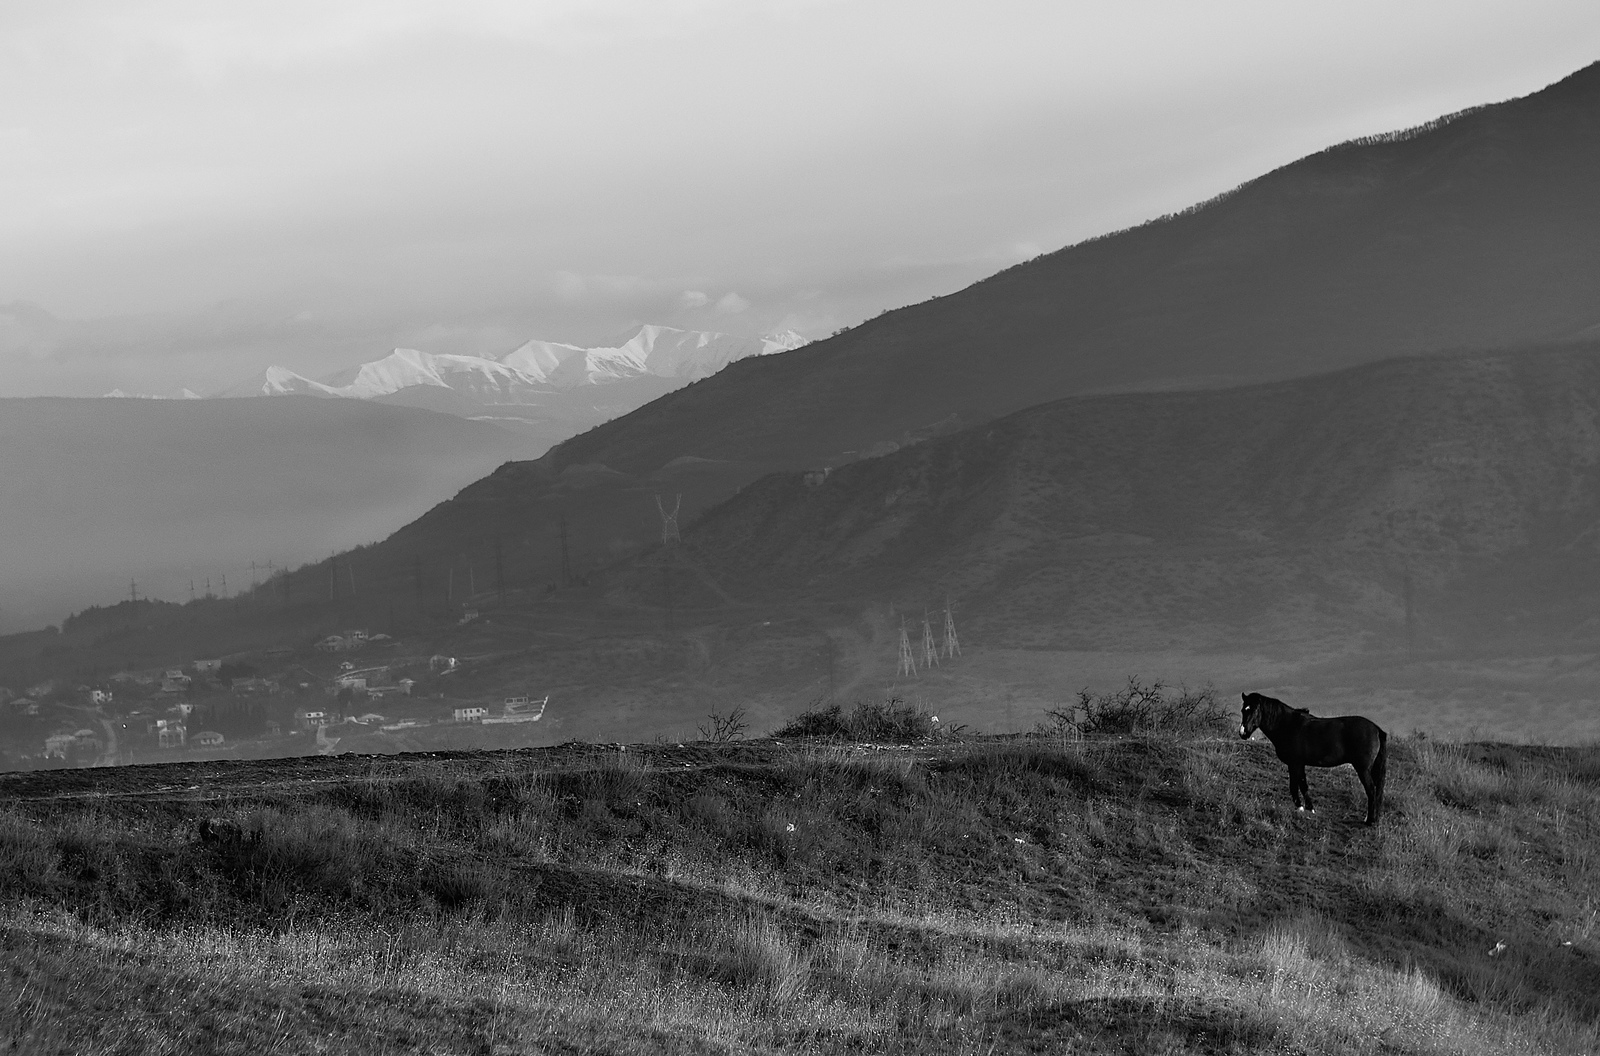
[
  {"x": 1478, "y": 232},
  {"x": 1141, "y": 895},
  {"x": 1293, "y": 513}
]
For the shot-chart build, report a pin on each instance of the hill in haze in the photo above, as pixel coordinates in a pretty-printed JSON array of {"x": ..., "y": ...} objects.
[
  {"x": 1414, "y": 539},
  {"x": 1297, "y": 514},
  {"x": 95, "y": 492}
]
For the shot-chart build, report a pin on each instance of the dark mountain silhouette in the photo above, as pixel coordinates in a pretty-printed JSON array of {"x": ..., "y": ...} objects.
[
  {"x": 1481, "y": 231},
  {"x": 1478, "y": 231},
  {"x": 1284, "y": 514}
]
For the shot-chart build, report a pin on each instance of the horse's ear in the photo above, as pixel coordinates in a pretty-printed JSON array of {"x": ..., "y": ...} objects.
[{"x": 1244, "y": 696}]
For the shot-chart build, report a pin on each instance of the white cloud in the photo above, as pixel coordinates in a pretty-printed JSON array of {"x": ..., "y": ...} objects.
[
  {"x": 570, "y": 286},
  {"x": 389, "y": 164}
]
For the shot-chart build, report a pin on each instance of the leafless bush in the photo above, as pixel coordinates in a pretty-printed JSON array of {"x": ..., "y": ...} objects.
[
  {"x": 722, "y": 728},
  {"x": 1137, "y": 708}
]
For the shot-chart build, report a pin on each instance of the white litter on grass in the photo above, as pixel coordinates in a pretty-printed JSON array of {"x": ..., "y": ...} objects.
[
  {"x": 1499, "y": 948},
  {"x": 791, "y": 826}
]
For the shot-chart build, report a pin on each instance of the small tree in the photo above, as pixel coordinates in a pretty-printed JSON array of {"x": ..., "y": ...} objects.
[
  {"x": 723, "y": 728},
  {"x": 1137, "y": 709}
]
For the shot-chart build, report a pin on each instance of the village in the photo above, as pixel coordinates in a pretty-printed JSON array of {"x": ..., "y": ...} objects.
[{"x": 347, "y": 690}]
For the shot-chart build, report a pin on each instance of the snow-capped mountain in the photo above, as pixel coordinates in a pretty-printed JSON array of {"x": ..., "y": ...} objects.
[
  {"x": 278, "y": 381},
  {"x": 531, "y": 370},
  {"x": 489, "y": 380},
  {"x": 664, "y": 352},
  {"x": 181, "y": 394}
]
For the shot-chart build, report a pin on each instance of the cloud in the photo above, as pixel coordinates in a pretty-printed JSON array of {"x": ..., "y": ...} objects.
[
  {"x": 692, "y": 299},
  {"x": 570, "y": 286},
  {"x": 732, "y": 304}
]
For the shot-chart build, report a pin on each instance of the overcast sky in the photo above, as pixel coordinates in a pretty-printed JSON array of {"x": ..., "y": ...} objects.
[{"x": 190, "y": 191}]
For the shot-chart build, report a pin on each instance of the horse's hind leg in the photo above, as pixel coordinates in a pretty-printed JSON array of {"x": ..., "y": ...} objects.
[
  {"x": 1369, "y": 784},
  {"x": 1305, "y": 789},
  {"x": 1375, "y": 788}
]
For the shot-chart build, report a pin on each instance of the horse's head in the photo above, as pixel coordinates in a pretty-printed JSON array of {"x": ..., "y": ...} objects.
[{"x": 1250, "y": 713}]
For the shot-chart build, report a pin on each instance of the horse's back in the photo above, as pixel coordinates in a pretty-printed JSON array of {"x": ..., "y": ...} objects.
[
  {"x": 1363, "y": 739},
  {"x": 1353, "y": 739}
]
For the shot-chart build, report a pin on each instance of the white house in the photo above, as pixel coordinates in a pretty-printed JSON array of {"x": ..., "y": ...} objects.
[
  {"x": 170, "y": 733},
  {"x": 474, "y": 714},
  {"x": 208, "y": 739}
]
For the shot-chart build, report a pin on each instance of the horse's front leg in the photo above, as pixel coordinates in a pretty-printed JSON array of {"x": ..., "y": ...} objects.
[{"x": 1299, "y": 789}]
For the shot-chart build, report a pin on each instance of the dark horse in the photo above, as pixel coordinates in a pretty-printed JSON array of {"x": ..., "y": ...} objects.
[{"x": 1301, "y": 740}]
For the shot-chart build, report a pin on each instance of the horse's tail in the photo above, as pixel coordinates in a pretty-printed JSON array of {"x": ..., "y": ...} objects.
[{"x": 1381, "y": 763}]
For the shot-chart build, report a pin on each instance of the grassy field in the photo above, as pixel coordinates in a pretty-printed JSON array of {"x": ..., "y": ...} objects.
[{"x": 1141, "y": 894}]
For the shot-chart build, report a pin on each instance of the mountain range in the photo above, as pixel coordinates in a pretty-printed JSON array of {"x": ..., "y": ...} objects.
[
  {"x": 1349, "y": 406},
  {"x": 534, "y": 370},
  {"x": 1476, "y": 231}
]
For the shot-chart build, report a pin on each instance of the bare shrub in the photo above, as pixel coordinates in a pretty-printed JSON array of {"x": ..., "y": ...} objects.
[
  {"x": 891, "y": 721},
  {"x": 721, "y": 728},
  {"x": 1137, "y": 709}
]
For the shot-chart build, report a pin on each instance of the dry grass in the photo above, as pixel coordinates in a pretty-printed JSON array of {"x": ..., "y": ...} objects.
[{"x": 1145, "y": 895}]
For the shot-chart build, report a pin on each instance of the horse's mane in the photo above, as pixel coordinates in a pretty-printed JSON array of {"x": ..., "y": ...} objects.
[{"x": 1280, "y": 706}]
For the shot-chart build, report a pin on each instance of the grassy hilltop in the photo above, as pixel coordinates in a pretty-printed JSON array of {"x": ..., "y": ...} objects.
[{"x": 1141, "y": 894}]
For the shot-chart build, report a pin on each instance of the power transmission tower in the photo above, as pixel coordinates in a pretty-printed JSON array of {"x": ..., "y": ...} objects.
[
  {"x": 669, "y": 521},
  {"x": 952, "y": 645},
  {"x": 133, "y": 592},
  {"x": 350, "y": 570},
  {"x": 908, "y": 663},
  {"x": 224, "y": 584},
  {"x": 930, "y": 650},
  {"x": 669, "y": 541}
]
